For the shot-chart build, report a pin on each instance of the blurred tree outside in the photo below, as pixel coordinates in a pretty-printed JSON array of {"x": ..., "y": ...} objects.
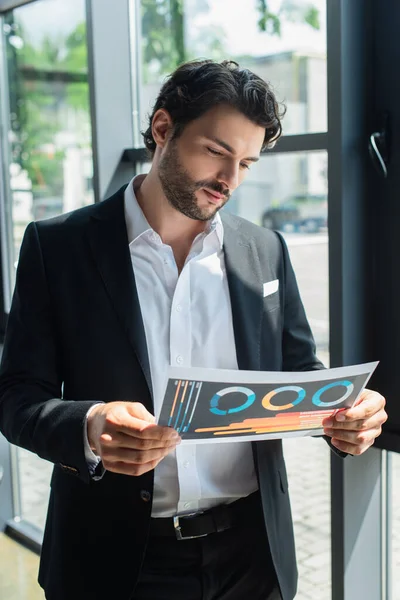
[
  {"x": 296, "y": 11},
  {"x": 48, "y": 94},
  {"x": 165, "y": 44}
]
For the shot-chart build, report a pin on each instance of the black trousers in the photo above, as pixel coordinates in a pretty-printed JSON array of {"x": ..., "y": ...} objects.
[{"x": 231, "y": 565}]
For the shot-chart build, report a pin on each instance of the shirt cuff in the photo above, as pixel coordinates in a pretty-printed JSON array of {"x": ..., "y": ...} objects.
[{"x": 92, "y": 459}]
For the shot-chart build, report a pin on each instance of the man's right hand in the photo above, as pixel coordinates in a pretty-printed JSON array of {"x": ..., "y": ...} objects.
[{"x": 126, "y": 438}]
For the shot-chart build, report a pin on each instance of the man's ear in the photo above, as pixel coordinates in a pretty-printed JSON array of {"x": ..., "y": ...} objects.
[{"x": 161, "y": 127}]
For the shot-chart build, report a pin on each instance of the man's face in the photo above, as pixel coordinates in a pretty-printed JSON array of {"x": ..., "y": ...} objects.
[{"x": 202, "y": 167}]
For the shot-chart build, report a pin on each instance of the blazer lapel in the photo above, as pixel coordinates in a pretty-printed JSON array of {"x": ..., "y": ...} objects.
[
  {"x": 245, "y": 287},
  {"x": 110, "y": 248}
]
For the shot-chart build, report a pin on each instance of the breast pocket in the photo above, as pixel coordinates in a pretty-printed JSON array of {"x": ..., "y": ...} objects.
[{"x": 271, "y": 295}]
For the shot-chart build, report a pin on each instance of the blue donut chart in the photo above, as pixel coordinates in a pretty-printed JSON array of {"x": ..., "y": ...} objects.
[
  {"x": 266, "y": 400},
  {"x": 243, "y": 390},
  {"x": 349, "y": 390}
]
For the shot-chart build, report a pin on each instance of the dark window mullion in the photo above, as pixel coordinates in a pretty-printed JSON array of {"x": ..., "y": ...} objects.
[
  {"x": 3, "y": 188},
  {"x": 6, "y": 5},
  {"x": 3, "y": 316},
  {"x": 308, "y": 142}
]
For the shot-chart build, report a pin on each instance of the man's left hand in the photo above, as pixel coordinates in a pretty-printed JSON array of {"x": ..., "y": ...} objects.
[{"x": 354, "y": 430}]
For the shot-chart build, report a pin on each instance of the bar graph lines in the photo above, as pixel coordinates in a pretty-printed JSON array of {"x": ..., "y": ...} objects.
[{"x": 185, "y": 404}]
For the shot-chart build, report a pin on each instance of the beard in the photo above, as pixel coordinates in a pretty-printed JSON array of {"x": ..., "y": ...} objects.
[{"x": 180, "y": 189}]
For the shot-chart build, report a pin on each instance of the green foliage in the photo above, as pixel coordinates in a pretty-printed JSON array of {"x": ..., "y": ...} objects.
[
  {"x": 39, "y": 106},
  {"x": 164, "y": 43},
  {"x": 290, "y": 10},
  {"x": 35, "y": 148},
  {"x": 312, "y": 17},
  {"x": 268, "y": 21},
  {"x": 162, "y": 38},
  {"x": 75, "y": 60}
]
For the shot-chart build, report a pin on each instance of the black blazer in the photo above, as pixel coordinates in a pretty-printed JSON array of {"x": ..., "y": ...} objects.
[{"x": 75, "y": 336}]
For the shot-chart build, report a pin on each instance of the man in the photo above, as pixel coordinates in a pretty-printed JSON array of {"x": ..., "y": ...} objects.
[{"x": 106, "y": 298}]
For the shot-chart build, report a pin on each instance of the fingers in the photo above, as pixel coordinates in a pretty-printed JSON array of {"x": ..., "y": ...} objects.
[
  {"x": 349, "y": 448},
  {"x": 132, "y": 454},
  {"x": 363, "y": 439},
  {"x": 358, "y": 425},
  {"x": 355, "y": 430},
  {"x": 124, "y": 422},
  {"x": 358, "y": 440},
  {"x": 135, "y": 457},
  {"x": 122, "y": 440},
  {"x": 133, "y": 462},
  {"x": 131, "y": 469},
  {"x": 369, "y": 404},
  {"x": 128, "y": 440},
  {"x": 369, "y": 413}
]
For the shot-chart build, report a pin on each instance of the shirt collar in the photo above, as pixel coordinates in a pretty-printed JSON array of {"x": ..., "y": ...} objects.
[{"x": 137, "y": 224}]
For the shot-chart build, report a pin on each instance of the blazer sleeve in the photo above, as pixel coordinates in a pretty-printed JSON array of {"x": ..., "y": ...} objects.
[{"x": 33, "y": 414}]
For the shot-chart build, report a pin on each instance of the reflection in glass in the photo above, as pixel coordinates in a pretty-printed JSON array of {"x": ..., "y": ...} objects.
[
  {"x": 283, "y": 41},
  {"x": 51, "y": 166}
]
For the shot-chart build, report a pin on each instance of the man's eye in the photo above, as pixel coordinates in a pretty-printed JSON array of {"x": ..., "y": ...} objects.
[
  {"x": 215, "y": 152},
  {"x": 244, "y": 166}
]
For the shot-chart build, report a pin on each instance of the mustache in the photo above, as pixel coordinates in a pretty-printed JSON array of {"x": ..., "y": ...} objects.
[{"x": 215, "y": 187}]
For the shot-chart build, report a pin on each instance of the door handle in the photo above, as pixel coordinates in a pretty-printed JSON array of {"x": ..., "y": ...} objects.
[{"x": 379, "y": 146}]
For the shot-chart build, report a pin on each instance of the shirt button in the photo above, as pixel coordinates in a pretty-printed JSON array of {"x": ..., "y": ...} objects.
[
  {"x": 179, "y": 360},
  {"x": 186, "y": 464},
  {"x": 145, "y": 495},
  {"x": 188, "y": 504},
  {"x": 178, "y": 308}
]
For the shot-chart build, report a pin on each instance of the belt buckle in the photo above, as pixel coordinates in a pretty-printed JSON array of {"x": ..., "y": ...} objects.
[{"x": 178, "y": 529}]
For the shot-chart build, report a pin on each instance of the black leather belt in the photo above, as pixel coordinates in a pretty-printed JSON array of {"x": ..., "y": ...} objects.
[{"x": 200, "y": 524}]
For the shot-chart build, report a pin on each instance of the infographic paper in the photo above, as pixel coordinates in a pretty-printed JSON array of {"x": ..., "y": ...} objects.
[{"x": 216, "y": 405}]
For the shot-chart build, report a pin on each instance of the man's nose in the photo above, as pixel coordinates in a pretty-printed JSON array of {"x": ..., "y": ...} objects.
[{"x": 229, "y": 177}]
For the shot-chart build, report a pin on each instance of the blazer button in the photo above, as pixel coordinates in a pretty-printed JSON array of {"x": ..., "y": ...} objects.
[{"x": 145, "y": 495}]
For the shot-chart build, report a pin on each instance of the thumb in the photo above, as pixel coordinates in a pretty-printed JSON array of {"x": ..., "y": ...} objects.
[{"x": 139, "y": 411}]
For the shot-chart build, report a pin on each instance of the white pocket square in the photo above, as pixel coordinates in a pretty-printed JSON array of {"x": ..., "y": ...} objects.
[{"x": 270, "y": 287}]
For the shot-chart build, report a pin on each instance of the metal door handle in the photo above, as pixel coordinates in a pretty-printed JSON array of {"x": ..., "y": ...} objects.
[
  {"x": 377, "y": 156},
  {"x": 379, "y": 146}
]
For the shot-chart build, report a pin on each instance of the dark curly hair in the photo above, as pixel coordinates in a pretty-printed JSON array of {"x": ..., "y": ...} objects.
[{"x": 197, "y": 86}]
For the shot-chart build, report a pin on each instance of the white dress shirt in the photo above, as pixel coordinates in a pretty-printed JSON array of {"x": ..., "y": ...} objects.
[{"x": 188, "y": 322}]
